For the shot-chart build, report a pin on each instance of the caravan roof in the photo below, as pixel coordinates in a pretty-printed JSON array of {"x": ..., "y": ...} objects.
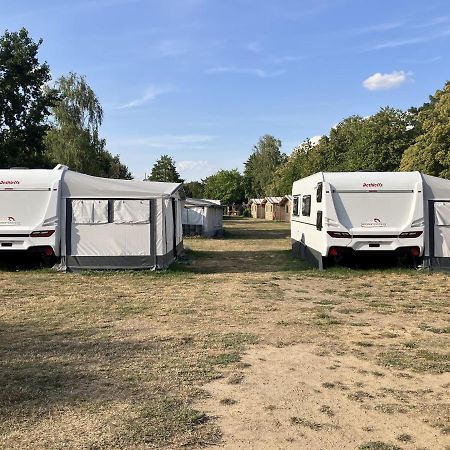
[
  {"x": 381, "y": 181},
  {"x": 80, "y": 185}
]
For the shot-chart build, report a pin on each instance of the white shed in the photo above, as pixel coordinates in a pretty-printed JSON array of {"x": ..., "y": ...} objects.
[{"x": 202, "y": 217}]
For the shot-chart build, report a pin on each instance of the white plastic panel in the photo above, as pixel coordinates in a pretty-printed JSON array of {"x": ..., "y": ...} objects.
[{"x": 131, "y": 211}]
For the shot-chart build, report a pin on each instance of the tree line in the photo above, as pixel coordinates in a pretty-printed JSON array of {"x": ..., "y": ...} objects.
[{"x": 390, "y": 140}]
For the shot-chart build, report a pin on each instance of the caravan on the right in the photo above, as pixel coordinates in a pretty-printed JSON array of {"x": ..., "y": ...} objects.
[{"x": 341, "y": 215}]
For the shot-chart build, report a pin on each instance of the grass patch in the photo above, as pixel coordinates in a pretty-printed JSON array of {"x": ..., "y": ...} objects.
[{"x": 378, "y": 445}]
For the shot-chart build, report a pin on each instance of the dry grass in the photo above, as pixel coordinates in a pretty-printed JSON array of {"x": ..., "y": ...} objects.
[{"x": 116, "y": 360}]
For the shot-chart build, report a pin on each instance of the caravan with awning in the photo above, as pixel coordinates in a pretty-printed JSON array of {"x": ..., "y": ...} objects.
[{"x": 90, "y": 222}]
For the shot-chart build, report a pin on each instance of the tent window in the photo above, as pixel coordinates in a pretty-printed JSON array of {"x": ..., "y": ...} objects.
[
  {"x": 295, "y": 206},
  {"x": 89, "y": 211},
  {"x": 306, "y": 205},
  {"x": 131, "y": 211}
]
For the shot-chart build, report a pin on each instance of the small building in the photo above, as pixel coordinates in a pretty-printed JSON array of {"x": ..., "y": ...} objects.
[
  {"x": 202, "y": 217},
  {"x": 257, "y": 208},
  {"x": 273, "y": 210},
  {"x": 286, "y": 208}
]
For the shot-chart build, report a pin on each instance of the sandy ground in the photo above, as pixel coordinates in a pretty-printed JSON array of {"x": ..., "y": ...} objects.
[{"x": 292, "y": 398}]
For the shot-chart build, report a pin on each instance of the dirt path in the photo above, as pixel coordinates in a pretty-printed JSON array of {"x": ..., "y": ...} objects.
[{"x": 291, "y": 398}]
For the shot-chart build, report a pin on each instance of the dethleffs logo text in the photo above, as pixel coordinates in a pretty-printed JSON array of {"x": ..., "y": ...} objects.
[
  {"x": 372, "y": 185},
  {"x": 9, "y": 182}
]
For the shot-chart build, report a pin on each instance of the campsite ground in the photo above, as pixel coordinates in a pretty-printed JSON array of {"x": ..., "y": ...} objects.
[{"x": 243, "y": 347}]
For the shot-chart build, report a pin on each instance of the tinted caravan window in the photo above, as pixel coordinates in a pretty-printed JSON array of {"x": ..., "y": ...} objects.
[
  {"x": 295, "y": 207},
  {"x": 306, "y": 205},
  {"x": 319, "y": 192}
]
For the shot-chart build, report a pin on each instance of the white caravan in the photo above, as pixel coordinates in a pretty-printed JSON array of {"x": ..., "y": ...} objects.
[
  {"x": 30, "y": 210},
  {"x": 339, "y": 214},
  {"x": 90, "y": 222}
]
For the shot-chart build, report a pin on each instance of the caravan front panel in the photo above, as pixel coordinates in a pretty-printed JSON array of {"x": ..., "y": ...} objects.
[
  {"x": 29, "y": 211},
  {"x": 358, "y": 212}
]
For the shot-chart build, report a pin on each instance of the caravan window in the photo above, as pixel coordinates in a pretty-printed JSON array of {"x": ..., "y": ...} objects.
[
  {"x": 89, "y": 211},
  {"x": 295, "y": 207},
  {"x": 306, "y": 205},
  {"x": 131, "y": 211},
  {"x": 319, "y": 192}
]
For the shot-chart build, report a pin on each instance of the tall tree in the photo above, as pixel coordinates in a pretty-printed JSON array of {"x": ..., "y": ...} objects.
[
  {"x": 164, "y": 170},
  {"x": 293, "y": 169},
  {"x": 261, "y": 165},
  {"x": 194, "y": 189},
  {"x": 431, "y": 151},
  {"x": 226, "y": 186},
  {"x": 24, "y": 101},
  {"x": 74, "y": 138}
]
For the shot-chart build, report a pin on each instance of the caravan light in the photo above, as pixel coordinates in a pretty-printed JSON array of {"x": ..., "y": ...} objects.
[
  {"x": 339, "y": 234},
  {"x": 46, "y": 233},
  {"x": 333, "y": 251},
  {"x": 410, "y": 234},
  {"x": 415, "y": 252}
]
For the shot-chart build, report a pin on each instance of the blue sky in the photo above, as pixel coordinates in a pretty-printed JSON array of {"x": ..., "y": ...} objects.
[{"x": 202, "y": 80}]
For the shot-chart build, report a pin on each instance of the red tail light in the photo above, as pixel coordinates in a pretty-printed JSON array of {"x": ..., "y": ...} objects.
[
  {"x": 48, "y": 251},
  {"x": 46, "y": 233},
  {"x": 333, "y": 251},
  {"x": 339, "y": 234},
  {"x": 410, "y": 234},
  {"x": 415, "y": 251}
]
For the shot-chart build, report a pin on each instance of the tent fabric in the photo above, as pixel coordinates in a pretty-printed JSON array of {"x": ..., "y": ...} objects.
[
  {"x": 442, "y": 213},
  {"x": 89, "y": 211},
  {"x": 79, "y": 185},
  {"x": 109, "y": 223},
  {"x": 131, "y": 211},
  {"x": 202, "y": 216}
]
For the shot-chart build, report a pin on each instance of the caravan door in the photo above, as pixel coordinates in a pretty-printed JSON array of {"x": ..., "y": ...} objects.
[{"x": 440, "y": 229}]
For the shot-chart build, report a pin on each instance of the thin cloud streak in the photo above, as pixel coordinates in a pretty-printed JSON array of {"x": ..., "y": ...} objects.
[
  {"x": 150, "y": 94},
  {"x": 245, "y": 71},
  {"x": 403, "y": 42}
]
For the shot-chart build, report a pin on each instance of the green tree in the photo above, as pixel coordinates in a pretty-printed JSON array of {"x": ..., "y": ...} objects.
[
  {"x": 194, "y": 189},
  {"x": 293, "y": 169},
  {"x": 431, "y": 151},
  {"x": 379, "y": 141},
  {"x": 226, "y": 186},
  {"x": 110, "y": 166},
  {"x": 164, "y": 170},
  {"x": 261, "y": 165},
  {"x": 24, "y": 101},
  {"x": 74, "y": 138}
]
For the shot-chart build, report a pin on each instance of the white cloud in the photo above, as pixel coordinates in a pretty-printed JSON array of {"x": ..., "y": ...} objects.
[
  {"x": 195, "y": 169},
  {"x": 150, "y": 94},
  {"x": 246, "y": 71},
  {"x": 287, "y": 59},
  {"x": 253, "y": 47},
  {"x": 410, "y": 41},
  {"x": 172, "y": 47},
  {"x": 166, "y": 142},
  {"x": 383, "y": 81},
  {"x": 315, "y": 139}
]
